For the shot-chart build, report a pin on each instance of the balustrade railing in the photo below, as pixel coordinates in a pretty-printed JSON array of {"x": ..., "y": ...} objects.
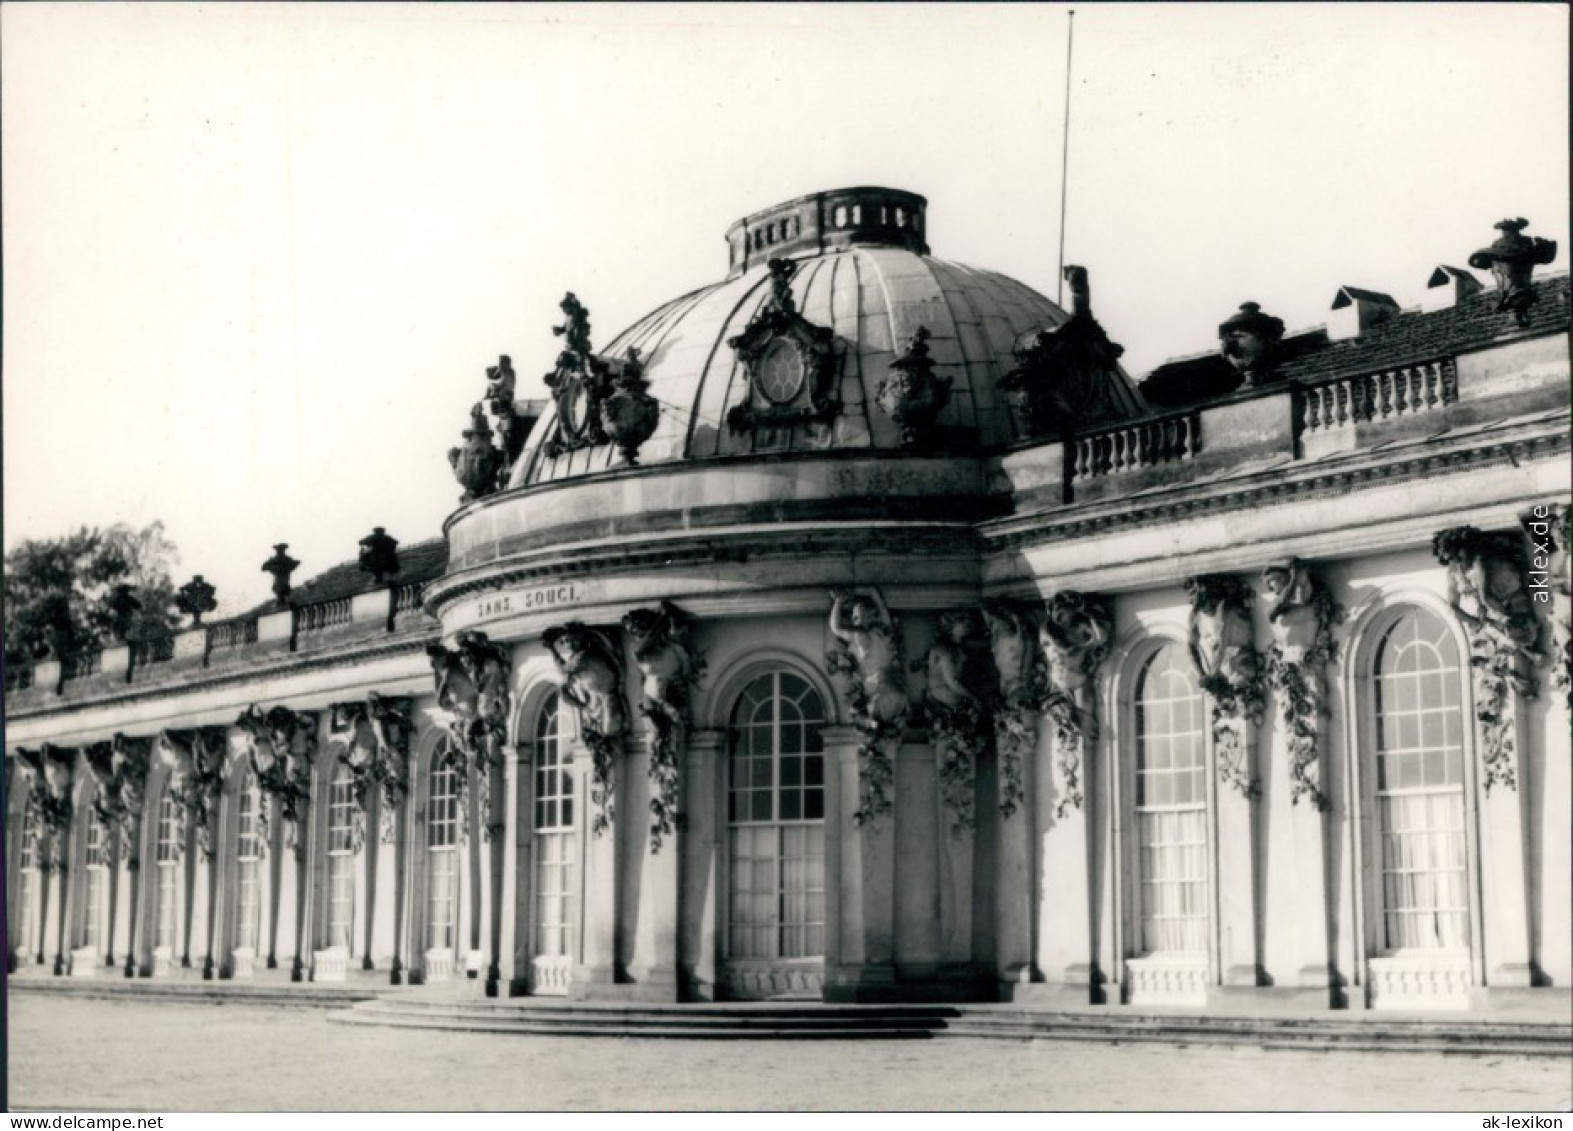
[
  {"x": 321, "y": 616},
  {"x": 158, "y": 651},
  {"x": 82, "y": 665},
  {"x": 1139, "y": 444},
  {"x": 232, "y": 634},
  {"x": 1409, "y": 390},
  {"x": 407, "y": 598}
]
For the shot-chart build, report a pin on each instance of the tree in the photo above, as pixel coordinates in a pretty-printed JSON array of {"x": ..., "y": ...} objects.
[{"x": 60, "y": 593}]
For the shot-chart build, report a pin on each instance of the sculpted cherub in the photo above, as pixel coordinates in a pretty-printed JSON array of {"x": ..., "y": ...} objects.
[
  {"x": 590, "y": 678},
  {"x": 865, "y": 627}
]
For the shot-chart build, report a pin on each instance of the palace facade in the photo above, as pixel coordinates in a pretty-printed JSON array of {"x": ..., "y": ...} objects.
[{"x": 855, "y": 628}]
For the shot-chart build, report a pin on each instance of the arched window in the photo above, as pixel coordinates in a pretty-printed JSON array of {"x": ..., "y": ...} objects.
[
  {"x": 167, "y": 867},
  {"x": 248, "y": 865},
  {"x": 1171, "y": 807},
  {"x": 341, "y": 857},
  {"x": 442, "y": 853},
  {"x": 556, "y": 852},
  {"x": 775, "y": 818},
  {"x": 95, "y": 893},
  {"x": 26, "y": 943},
  {"x": 1418, "y": 719}
]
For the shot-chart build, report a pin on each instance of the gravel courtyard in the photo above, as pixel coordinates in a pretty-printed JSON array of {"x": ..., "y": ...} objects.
[{"x": 134, "y": 1055}]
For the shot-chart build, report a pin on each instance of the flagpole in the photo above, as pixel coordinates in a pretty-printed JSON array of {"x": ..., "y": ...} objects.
[{"x": 1065, "y": 149}]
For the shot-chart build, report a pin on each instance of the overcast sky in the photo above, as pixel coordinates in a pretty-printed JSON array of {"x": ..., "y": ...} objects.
[{"x": 257, "y": 258}]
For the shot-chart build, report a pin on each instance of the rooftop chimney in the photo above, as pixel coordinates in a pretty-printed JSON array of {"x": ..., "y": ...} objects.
[
  {"x": 1447, "y": 287},
  {"x": 1356, "y": 310}
]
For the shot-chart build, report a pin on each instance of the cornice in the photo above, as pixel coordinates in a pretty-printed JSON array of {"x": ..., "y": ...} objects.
[
  {"x": 1185, "y": 501},
  {"x": 240, "y": 674}
]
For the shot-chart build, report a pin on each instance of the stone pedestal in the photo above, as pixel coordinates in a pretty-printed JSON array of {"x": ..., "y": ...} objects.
[
  {"x": 243, "y": 962},
  {"x": 861, "y": 962},
  {"x": 84, "y": 962},
  {"x": 437, "y": 965},
  {"x": 331, "y": 965}
]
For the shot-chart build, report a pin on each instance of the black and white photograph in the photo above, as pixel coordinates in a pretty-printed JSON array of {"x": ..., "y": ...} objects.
[{"x": 787, "y": 557}]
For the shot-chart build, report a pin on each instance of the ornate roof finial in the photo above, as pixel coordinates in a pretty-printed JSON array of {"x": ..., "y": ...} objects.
[
  {"x": 194, "y": 598},
  {"x": 280, "y": 565},
  {"x": 1248, "y": 341},
  {"x": 1512, "y": 259}
]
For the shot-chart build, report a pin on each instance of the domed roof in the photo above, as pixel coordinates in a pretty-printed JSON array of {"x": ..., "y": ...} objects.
[{"x": 861, "y": 270}]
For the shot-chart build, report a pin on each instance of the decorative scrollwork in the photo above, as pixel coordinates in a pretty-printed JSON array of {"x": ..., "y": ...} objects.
[{"x": 791, "y": 362}]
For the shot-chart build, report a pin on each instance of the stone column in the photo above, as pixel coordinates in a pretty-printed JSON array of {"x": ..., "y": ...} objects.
[
  {"x": 1015, "y": 881},
  {"x": 188, "y": 871},
  {"x": 862, "y": 959},
  {"x": 305, "y": 853},
  {"x": 112, "y": 837},
  {"x": 63, "y": 868},
  {"x": 521, "y": 829},
  {"x": 402, "y": 837},
  {"x": 505, "y": 807},
  {"x": 134, "y": 903},
  {"x": 275, "y": 873},
  {"x": 702, "y": 847},
  {"x": 216, "y": 863},
  {"x": 597, "y": 966}
]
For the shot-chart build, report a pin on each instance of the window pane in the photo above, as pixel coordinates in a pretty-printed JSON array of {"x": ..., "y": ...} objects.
[{"x": 776, "y": 897}]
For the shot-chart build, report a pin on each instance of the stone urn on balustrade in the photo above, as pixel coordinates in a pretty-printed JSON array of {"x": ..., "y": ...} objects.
[
  {"x": 630, "y": 412},
  {"x": 477, "y": 462}
]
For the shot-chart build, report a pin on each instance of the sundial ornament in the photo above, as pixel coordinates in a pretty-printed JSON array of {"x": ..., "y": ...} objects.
[{"x": 790, "y": 362}]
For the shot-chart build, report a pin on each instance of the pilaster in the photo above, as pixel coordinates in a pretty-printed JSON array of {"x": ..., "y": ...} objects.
[
  {"x": 597, "y": 966},
  {"x": 862, "y": 963},
  {"x": 699, "y": 861}
]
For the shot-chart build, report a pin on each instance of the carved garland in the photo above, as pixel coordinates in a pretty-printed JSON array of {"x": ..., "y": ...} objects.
[
  {"x": 1302, "y": 617},
  {"x": 1487, "y": 588},
  {"x": 1230, "y": 669},
  {"x": 197, "y": 794},
  {"x": 868, "y": 653},
  {"x": 1075, "y": 639},
  {"x": 281, "y": 774},
  {"x": 1017, "y": 701},
  {"x": 671, "y": 669},
  {"x": 959, "y": 726}
]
